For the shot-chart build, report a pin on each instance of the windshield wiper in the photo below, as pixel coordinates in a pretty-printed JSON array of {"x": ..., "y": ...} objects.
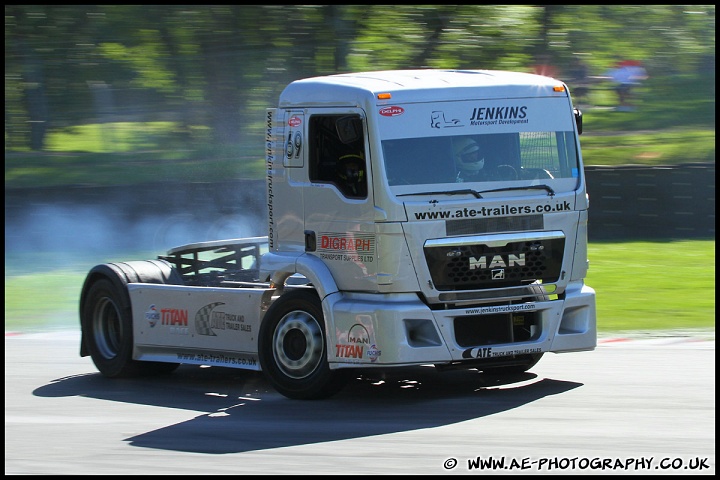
[
  {"x": 547, "y": 188},
  {"x": 449, "y": 192}
]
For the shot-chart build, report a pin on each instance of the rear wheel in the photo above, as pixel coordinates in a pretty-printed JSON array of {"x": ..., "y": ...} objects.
[
  {"x": 108, "y": 333},
  {"x": 107, "y": 326},
  {"x": 292, "y": 349}
]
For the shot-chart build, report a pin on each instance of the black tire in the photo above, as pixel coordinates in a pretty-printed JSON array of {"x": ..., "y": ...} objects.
[
  {"x": 108, "y": 333},
  {"x": 107, "y": 327},
  {"x": 292, "y": 348}
]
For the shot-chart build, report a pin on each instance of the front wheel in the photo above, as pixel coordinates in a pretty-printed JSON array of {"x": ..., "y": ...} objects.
[{"x": 292, "y": 347}]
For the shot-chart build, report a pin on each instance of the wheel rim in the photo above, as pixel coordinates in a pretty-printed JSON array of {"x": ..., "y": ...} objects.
[
  {"x": 107, "y": 328},
  {"x": 298, "y": 344}
]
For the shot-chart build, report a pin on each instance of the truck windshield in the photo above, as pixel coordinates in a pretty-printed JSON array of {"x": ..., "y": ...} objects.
[{"x": 527, "y": 157}]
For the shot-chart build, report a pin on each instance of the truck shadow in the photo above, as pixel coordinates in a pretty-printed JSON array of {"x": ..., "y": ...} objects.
[{"x": 241, "y": 412}]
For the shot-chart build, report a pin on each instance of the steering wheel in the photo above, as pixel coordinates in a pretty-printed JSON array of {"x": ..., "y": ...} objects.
[{"x": 507, "y": 172}]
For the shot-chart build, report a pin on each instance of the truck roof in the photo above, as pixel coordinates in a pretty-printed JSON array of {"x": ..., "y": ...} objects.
[{"x": 356, "y": 89}]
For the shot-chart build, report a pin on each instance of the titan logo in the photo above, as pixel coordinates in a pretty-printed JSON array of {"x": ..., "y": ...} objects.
[{"x": 497, "y": 261}]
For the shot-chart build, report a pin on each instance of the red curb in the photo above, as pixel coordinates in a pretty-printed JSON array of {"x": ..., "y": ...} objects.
[{"x": 614, "y": 340}]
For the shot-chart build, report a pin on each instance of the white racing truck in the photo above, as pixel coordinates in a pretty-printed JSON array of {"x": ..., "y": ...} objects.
[{"x": 420, "y": 217}]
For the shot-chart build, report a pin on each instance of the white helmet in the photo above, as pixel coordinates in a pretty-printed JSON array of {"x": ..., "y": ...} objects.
[{"x": 467, "y": 155}]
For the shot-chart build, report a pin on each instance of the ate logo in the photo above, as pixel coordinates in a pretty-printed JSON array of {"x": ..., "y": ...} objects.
[{"x": 482, "y": 352}]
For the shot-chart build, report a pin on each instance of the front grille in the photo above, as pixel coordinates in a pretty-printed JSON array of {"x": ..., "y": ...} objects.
[{"x": 477, "y": 265}]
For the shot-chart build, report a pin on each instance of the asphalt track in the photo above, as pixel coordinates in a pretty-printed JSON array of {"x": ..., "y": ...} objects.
[{"x": 640, "y": 405}]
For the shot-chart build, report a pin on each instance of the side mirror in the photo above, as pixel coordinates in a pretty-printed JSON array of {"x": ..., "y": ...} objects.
[
  {"x": 349, "y": 129},
  {"x": 578, "y": 120}
]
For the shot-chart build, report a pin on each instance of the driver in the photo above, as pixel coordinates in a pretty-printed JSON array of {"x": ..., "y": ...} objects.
[
  {"x": 469, "y": 162},
  {"x": 351, "y": 172}
]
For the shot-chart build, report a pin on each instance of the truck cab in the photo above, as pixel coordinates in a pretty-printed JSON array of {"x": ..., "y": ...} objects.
[{"x": 465, "y": 227}]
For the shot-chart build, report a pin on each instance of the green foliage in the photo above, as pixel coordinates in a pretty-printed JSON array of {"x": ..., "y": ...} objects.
[
  {"x": 117, "y": 137},
  {"x": 130, "y": 153},
  {"x": 80, "y": 64},
  {"x": 146, "y": 59},
  {"x": 214, "y": 69},
  {"x": 93, "y": 169},
  {"x": 673, "y": 127}
]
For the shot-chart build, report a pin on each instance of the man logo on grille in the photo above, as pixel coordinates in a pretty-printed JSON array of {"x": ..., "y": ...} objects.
[
  {"x": 498, "y": 274},
  {"x": 497, "y": 261}
]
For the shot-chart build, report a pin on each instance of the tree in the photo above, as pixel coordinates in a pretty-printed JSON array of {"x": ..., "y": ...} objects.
[{"x": 219, "y": 66}]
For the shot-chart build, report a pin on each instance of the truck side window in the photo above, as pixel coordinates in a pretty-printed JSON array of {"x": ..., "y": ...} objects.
[{"x": 337, "y": 153}]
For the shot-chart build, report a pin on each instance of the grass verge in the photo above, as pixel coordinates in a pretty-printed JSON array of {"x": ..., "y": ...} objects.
[{"x": 640, "y": 286}]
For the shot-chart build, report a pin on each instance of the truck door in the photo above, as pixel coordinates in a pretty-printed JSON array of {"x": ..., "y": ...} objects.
[{"x": 338, "y": 208}]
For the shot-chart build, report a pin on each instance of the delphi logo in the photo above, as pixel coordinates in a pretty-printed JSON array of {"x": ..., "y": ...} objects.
[{"x": 392, "y": 111}]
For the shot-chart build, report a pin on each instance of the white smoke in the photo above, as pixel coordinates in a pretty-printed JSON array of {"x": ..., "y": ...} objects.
[{"x": 47, "y": 237}]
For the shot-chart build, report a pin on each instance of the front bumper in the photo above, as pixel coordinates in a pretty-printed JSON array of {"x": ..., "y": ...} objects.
[{"x": 366, "y": 330}]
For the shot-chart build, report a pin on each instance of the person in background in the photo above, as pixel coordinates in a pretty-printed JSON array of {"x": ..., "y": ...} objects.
[{"x": 627, "y": 75}]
